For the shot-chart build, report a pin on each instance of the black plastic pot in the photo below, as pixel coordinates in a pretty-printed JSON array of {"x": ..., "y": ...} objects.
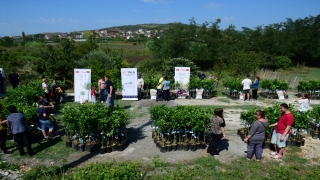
[
  {"x": 98, "y": 146},
  {"x": 198, "y": 146},
  {"x": 302, "y": 142},
  {"x": 124, "y": 145},
  {"x": 288, "y": 142},
  {"x": 114, "y": 148},
  {"x": 155, "y": 140},
  {"x": 75, "y": 146},
  {"x": 68, "y": 144},
  {"x": 186, "y": 147},
  {"x": 168, "y": 148},
  {"x": 193, "y": 147},
  {"x": 293, "y": 142},
  {"x": 158, "y": 144},
  {"x": 174, "y": 147},
  {"x": 102, "y": 150},
  {"x": 238, "y": 132},
  {"x": 87, "y": 148},
  {"x": 203, "y": 145},
  {"x": 180, "y": 147},
  {"x": 82, "y": 147},
  {"x": 108, "y": 149},
  {"x": 298, "y": 143},
  {"x": 315, "y": 135},
  {"x": 163, "y": 149},
  {"x": 93, "y": 148},
  {"x": 119, "y": 147}
]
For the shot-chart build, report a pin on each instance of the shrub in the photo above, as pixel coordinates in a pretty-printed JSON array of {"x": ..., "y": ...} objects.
[{"x": 283, "y": 62}]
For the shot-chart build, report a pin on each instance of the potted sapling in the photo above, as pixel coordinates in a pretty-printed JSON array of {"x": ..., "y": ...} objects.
[
  {"x": 103, "y": 147},
  {"x": 75, "y": 142},
  {"x": 174, "y": 143}
]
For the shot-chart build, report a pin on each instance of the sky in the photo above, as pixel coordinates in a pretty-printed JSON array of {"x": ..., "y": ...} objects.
[{"x": 40, "y": 16}]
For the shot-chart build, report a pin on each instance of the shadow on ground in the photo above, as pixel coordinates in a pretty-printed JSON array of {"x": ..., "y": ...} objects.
[{"x": 136, "y": 134}]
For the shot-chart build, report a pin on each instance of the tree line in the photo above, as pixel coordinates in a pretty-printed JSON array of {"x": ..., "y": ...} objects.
[{"x": 275, "y": 46}]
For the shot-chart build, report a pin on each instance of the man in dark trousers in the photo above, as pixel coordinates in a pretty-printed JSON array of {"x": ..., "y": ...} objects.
[
  {"x": 110, "y": 91},
  {"x": 19, "y": 129},
  {"x": 14, "y": 79}
]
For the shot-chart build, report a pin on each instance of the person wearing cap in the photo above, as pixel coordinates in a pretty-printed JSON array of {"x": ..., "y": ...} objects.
[{"x": 140, "y": 86}]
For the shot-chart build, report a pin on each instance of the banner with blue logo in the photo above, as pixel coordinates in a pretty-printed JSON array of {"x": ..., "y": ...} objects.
[{"x": 129, "y": 83}]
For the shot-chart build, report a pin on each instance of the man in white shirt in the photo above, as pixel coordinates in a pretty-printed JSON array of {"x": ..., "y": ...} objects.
[
  {"x": 246, "y": 87},
  {"x": 140, "y": 86}
]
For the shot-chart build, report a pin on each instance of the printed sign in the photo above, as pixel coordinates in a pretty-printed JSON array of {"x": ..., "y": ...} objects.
[
  {"x": 182, "y": 79},
  {"x": 280, "y": 94},
  {"x": 82, "y": 85},
  {"x": 129, "y": 82}
]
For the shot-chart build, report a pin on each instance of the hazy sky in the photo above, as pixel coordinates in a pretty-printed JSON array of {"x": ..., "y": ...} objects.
[{"x": 38, "y": 16}]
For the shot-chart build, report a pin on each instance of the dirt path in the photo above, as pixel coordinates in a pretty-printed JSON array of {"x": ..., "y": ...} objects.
[{"x": 140, "y": 145}]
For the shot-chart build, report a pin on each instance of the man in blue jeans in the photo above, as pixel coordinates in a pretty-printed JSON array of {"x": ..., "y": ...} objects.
[
  {"x": 159, "y": 87},
  {"x": 110, "y": 91}
]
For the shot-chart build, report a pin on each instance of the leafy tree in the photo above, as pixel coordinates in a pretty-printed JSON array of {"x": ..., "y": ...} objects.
[
  {"x": 243, "y": 63},
  {"x": 6, "y": 41}
]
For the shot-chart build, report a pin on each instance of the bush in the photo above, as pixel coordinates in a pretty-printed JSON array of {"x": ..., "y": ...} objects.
[
  {"x": 283, "y": 62},
  {"x": 168, "y": 66}
]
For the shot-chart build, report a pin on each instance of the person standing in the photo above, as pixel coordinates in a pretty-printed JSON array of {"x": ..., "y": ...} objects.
[
  {"x": 255, "y": 87},
  {"x": 246, "y": 87},
  {"x": 102, "y": 89},
  {"x": 304, "y": 103},
  {"x": 201, "y": 75},
  {"x": 256, "y": 136},
  {"x": 93, "y": 95},
  {"x": 3, "y": 132},
  {"x": 217, "y": 131},
  {"x": 46, "y": 89},
  {"x": 14, "y": 79},
  {"x": 44, "y": 120},
  {"x": 166, "y": 89},
  {"x": 56, "y": 91},
  {"x": 19, "y": 129},
  {"x": 282, "y": 131},
  {"x": 140, "y": 85},
  {"x": 159, "y": 87},
  {"x": 110, "y": 91}
]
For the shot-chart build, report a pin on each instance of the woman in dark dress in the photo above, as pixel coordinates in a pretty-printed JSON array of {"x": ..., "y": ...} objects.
[{"x": 217, "y": 131}]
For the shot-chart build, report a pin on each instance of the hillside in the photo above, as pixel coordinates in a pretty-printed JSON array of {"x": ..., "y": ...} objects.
[{"x": 140, "y": 26}]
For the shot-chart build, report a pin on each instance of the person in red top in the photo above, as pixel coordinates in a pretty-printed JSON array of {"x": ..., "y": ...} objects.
[
  {"x": 93, "y": 95},
  {"x": 282, "y": 131}
]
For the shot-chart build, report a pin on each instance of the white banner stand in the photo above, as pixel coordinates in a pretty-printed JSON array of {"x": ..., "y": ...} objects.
[
  {"x": 4, "y": 85},
  {"x": 280, "y": 95},
  {"x": 82, "y": 85},
  {"x": 129, "y": 80},
  {"x": 182, "y": 77},
  {"x": 240, "y": 96}
]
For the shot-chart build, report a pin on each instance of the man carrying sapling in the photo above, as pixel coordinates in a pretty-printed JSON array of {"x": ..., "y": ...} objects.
[{"x": 281, "y": 135}]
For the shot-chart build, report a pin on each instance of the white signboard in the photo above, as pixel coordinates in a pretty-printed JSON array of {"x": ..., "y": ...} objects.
[
  {"x": 129, "y": 83},
  {"x": 182, "y": 79},
  {"x": 82, "y": 85}
]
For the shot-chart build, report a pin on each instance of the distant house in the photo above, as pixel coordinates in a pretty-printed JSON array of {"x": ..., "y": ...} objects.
[
  {"x": 129, "y": 32},
  {"x": 141, "y": 31},
  {"x": 80, "y": 40},
  {"x": 149, "y": 32},
  {"x": 79, "y": 36},
  {"x": 47, "y": 36}
]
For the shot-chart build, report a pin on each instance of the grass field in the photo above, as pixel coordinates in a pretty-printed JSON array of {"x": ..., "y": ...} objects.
[{"x": 132, "y": 53}]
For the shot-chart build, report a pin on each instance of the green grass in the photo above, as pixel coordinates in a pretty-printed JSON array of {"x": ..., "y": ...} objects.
[{"x": 200, "y": 168}]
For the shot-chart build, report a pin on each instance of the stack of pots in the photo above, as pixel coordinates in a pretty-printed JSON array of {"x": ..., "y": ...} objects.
[
  {"x": 98, "y": 143},
  {"x": 182, "y": 140}
]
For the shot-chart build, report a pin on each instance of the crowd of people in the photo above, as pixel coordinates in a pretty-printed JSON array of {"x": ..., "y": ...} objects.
[
  {"x": 256, "y": 136},
  {"x": 106, "y": 91}
]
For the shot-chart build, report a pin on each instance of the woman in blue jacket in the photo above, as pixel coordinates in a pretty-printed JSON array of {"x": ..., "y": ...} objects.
[{"x": 255, "y": 87}]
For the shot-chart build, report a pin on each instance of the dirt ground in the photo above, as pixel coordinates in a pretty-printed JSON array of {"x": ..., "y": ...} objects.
[{"x": 141, "y": 146}]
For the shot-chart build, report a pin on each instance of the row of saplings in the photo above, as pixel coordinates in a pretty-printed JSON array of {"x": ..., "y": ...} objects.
[
  {"x": 304, "y": 123},
  {"x": 180, "y": 128},
  {"x": 95, "y": 128}
]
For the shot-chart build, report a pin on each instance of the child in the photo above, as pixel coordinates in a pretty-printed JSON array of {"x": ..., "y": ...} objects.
[{"x": 93, "y": 95}]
